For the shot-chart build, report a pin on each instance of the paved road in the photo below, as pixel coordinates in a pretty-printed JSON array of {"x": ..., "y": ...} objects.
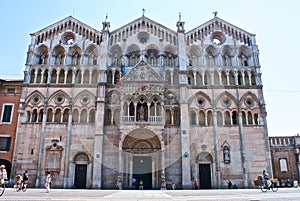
[{"x": 151, "y": 195}]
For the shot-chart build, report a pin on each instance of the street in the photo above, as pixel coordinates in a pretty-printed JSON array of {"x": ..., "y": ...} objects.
[{"x": 149, "y": 195}]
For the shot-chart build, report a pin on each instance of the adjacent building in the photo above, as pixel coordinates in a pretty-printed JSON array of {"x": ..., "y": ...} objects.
[
  {"x": 142, "y": 102},
  {"x": 286, "y": 159},
  {"x": 10, "y": 95}
]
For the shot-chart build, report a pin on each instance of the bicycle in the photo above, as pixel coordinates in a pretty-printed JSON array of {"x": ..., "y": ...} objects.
[
  {"x": 23, "y": 187},
  {"x": 264, "y": 186}
]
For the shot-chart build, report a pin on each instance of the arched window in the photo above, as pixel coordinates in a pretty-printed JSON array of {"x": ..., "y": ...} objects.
[
  {"x": 78, "y": 77},
  {"x": 41, "y": 115},
  {"x": 256, "y": 120},
  {"x": 86, "y": 77},
  {"x": 50, "y": 115},
  {"x": 28, "y": 115},
  {"x": 227, "y": 118},
  {"x": 234, "y": 118},
  {"x": 168, "y": 117},
  {"x": 209, "y": 118},
  {"x": 92, "y": 116},
  {"x": 201, "y": 118},
  {"x": 193, "y": 118},
  {"x": 57, "y": 117},
  {"x": 107, "y": 120},
  {"x": 66, "y": 115},
  {"x": 34, "y": 116},
  {"x": 250, "y": 121},
  {"x": 75, "y": 116},
  {"x": 244, "y": 118},
  {"x": 83, "y": 116},
  {"x": 177, "y": 116}
]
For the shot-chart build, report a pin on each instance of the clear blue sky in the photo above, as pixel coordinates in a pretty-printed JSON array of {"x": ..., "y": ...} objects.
[{"x": 275, "y": 23}]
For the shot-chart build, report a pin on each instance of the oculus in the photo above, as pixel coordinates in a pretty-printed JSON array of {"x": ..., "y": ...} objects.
[
  {"x": 68, "y": 38},
  {"x": 218, "y": 38}
]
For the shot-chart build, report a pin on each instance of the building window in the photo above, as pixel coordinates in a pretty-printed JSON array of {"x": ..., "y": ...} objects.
[
  {"x": 7, "y": 113},
  {"x": 5, "y": 143},
  {"x": 283, "y": 165},
  {"x": 11, "y": 90}
]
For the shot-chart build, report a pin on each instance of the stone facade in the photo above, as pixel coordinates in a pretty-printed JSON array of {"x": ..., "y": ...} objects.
[{"x": 143, "y": 102}]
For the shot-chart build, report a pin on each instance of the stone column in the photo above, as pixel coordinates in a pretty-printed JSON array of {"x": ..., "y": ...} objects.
[
  {"x": 216, "y": 150},
  {"x": 41, "y": 149},
  {"x": 243, "y": 153},
  {"x": 67, "y": 178}
]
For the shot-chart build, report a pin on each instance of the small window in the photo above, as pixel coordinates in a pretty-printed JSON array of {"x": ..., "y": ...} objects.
[
  {"x": 11, "y": 90},
  {"x": 5, "y": 143},
  {"x": 283, "y": 165},
  {"x": 7, "y": 113}
]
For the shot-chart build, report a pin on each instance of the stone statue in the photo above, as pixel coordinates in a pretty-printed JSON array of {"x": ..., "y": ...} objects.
[{"x": 142, "y": 113}]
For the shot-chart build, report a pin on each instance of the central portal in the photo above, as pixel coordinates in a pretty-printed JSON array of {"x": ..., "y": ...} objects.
[
  {"x": 142, "y": 170},
  {"x": 142, "y": 159}
]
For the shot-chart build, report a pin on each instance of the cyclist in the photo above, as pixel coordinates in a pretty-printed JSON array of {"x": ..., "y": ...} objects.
[
  {"x": 25, "y": 179},
  {"x": 19, "y": 182},
  {"x": 265, "y": 178},
  {"x": 3, "y": 174}
]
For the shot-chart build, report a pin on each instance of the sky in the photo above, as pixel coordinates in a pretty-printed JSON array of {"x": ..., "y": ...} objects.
[{"x": 275, "y": 23}]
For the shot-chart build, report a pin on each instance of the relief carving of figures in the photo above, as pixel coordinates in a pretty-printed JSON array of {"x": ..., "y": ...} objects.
[{"x": 114, "y": 99}]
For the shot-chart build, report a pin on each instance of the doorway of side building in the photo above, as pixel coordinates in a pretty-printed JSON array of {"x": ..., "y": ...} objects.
[
  {"x": 142, "y": 171},
  {"x": 204, "y": 176}
]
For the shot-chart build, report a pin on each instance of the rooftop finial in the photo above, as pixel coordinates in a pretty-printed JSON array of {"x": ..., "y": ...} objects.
[
  {"x": 106, "y": 17},
  {"x": 144, "y": 12},
  {"x": 215, "y": 13},
  {"x": 179, "y": 17}
]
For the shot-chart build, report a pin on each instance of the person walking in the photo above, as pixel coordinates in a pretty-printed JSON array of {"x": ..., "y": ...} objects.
[
  {"x": 48, "y": 181},
  {"x": 229, "y": 184}
]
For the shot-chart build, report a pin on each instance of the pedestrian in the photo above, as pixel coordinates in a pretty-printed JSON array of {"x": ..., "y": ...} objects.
[
  {"x": 133, "y": 183},
  {"x": 141, "y": 184},
  {"x": 119, "y": 184},
  {"x": 195, "y": 185},
  {"x": 48, "y": 181},
  {"x": 229, "y": 183},
  {"x": 173, "y": 186}
]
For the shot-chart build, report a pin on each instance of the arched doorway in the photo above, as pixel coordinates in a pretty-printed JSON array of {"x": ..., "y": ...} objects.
[
  {"x": 141, "y": 159},
  {"x": 204, "y": 172},
  {"x": 80, "y": 177}
]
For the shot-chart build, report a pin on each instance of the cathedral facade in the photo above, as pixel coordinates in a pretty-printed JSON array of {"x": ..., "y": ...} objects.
[{"x": 142, "y": 102}]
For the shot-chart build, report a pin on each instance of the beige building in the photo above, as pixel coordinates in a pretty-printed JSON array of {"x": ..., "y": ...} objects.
[{"x": 142, "y": 102}]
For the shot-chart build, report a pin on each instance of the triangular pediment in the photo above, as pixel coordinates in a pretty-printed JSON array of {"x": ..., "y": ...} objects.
[
  {"x": 216, "y": 24},
  {"x": 144, "y": 21},
  {"x": 142, "y": 72},
  {"x": 68, "y": 23}
]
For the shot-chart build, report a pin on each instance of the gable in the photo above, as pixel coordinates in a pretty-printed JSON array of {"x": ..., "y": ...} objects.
[{"x": 142, "y": 72}]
